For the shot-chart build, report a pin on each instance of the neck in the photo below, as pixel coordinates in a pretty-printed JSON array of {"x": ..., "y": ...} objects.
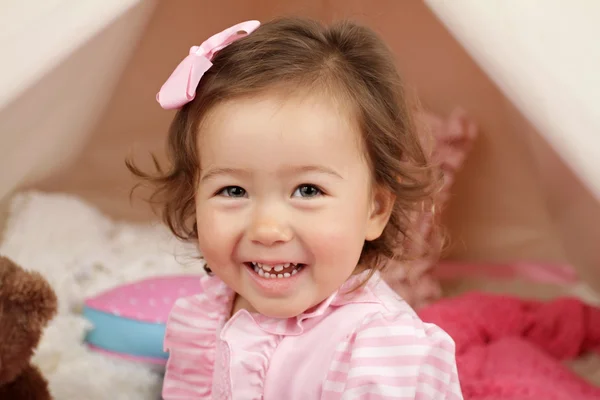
[{"x": 240, "y": 303}]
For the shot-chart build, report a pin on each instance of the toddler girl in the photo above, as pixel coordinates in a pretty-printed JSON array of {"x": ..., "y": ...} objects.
[{"x": 296, "y": 168}]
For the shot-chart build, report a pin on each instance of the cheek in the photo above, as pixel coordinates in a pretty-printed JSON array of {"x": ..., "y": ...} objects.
[
  {"x": 215, "y": 234},
  {"x": 338, "y": 239},
  {"x": 340, "y": 235},
  {"x": 339, "y": 248}
]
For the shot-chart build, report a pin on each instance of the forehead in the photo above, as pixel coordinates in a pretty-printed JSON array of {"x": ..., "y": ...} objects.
[{"x": 298, "y": 129}]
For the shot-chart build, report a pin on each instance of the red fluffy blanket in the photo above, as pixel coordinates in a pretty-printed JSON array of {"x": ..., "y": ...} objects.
[{"x": 509, "y": 348}]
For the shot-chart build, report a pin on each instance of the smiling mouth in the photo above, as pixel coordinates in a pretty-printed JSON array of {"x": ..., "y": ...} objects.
[{"x": 279, "y": 271}]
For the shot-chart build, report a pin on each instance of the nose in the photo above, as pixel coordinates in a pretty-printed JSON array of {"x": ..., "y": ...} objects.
[{"x": 269, "y": 229}]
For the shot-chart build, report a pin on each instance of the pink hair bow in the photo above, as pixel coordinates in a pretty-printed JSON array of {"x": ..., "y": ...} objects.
[{"x": 180, "y": 87}]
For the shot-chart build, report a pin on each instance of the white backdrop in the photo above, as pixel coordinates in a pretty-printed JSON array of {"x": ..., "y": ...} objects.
[
  {"x": 545, "y": 56},
  {"x": 61, "y": 60}
]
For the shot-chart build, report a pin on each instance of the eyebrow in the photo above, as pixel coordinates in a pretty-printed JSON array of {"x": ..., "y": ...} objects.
[
  {"x": 213, "y": 172},
  {"x": 317, "y": 168}
]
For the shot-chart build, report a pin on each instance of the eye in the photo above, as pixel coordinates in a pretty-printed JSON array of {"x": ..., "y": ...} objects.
[
  {"x": 307, "y": 191},
  {"x": 232, "y": 191}
]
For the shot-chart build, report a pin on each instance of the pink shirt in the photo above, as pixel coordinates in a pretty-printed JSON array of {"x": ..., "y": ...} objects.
[{"x": 368, "y": 344}]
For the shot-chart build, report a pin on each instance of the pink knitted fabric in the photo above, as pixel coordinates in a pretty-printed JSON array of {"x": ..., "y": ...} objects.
[
  {"x": 511, "y": 349},
  {"x": 452, "y": 141}
]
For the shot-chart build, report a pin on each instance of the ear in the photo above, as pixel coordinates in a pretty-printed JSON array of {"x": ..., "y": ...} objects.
[{"x": 382, "y": 204}]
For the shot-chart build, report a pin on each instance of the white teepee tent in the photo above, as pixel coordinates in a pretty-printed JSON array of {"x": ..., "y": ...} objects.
[
  {"x": 77, "y": 94},
  {"x": 78, "y": 85}
]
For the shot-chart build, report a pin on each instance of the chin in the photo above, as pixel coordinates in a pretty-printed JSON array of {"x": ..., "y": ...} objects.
[{"x": 277, "y": 311}]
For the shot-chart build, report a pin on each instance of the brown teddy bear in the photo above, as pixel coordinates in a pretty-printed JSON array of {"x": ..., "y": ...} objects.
[{"x": 27, "y": 304}]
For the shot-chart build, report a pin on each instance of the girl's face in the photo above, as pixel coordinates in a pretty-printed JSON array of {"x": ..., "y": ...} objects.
[{"x": 284, "y": 200}]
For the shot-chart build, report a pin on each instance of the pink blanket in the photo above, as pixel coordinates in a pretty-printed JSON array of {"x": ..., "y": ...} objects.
[
  {"x": 511, "y": 349},
  {"x": 450, "y": 140}
]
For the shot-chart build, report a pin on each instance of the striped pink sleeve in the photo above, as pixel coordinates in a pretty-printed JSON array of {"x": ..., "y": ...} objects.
[
  {"x": 188, "y": 374},
  {"x": 394, "y": 357}
]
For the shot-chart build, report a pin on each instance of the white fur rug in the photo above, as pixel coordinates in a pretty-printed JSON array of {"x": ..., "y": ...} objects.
[{"x": 81, "y": 252}]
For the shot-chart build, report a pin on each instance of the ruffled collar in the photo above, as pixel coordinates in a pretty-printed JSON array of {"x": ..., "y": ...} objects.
[
  {"x": 219, "y": 293},
  {"x": 201, "y": 325}
]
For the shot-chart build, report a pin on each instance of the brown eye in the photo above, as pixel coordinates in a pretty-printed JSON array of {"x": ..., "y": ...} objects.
[
  {"x": 233, "y": 191},
  {"x": 307, "y": 191}
]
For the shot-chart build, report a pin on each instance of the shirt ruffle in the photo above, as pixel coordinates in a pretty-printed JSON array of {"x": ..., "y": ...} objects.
[
  {"x": 191, "y": 340},
  {"x": 250, "y": 360},
  {"x": 199, "y": 329}
]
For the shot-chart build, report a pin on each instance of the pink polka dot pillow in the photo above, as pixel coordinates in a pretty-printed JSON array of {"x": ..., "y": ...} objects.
[{"x": 129, "y": 320}]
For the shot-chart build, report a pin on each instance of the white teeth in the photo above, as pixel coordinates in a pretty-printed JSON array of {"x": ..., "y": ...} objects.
[
  {"x": 268, "y": 268},
  {"x": 263, "y": 266},
  {"x": 262, "y": 270}
]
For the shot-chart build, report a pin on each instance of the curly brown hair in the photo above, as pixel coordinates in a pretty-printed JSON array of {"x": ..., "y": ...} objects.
[{"x": 349, "y": 62}]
